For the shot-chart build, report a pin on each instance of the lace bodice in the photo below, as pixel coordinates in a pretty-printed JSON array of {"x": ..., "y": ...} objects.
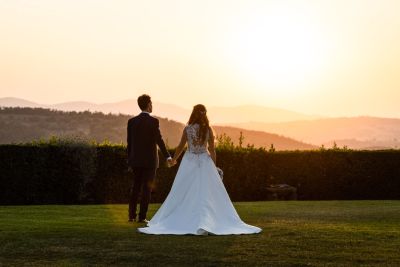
[{"x": 194, "y": 143}]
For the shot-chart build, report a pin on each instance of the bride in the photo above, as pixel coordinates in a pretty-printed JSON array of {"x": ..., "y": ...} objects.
[{"x": 198, "y": 203}]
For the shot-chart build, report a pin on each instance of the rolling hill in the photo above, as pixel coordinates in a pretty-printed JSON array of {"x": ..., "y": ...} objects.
[
  {"x": 219, "y": 115},
  {"x": 27, "y": 124},
  {"x": 358, "y": 132},
  {"x": 353, "y": 132}
]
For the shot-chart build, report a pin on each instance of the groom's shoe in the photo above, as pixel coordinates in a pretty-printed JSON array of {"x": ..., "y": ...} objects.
[
  {"x": 132, "y": 220},
  {"x": 143, "y": 221}
]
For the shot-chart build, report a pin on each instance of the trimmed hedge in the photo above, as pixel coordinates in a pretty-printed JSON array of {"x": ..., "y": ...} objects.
[{"x": 72, "y": 174}]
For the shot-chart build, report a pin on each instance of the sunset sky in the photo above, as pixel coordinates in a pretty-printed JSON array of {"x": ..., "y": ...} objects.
[{"x": 335, "y": 58}]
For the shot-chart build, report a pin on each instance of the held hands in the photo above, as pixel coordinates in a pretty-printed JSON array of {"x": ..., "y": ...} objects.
[{"x": 171, "y": 162}]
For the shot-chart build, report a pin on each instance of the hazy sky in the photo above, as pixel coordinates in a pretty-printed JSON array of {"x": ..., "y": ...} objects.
[{"x": 319, "y": 57}]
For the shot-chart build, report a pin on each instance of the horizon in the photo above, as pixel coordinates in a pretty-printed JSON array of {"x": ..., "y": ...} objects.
[
  {"x": 337, "y": 59},
  {"x": 317, "y": 116},
  {"x": 368, "y": 133}
]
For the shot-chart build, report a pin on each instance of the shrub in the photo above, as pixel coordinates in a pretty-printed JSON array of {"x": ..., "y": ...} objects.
[{"x": 78, "y": 171}]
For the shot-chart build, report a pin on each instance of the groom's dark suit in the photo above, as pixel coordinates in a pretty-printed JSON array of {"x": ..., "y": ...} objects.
[{"x": 143, "y": 137}]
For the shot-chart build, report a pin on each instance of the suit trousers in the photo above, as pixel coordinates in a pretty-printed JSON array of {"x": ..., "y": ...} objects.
[{"x": 143, "y": 181}]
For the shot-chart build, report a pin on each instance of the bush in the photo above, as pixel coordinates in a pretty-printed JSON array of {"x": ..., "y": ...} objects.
[{"x": 71, "y": 172}]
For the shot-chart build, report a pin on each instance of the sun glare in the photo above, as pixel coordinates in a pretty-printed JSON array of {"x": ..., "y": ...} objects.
[{"x": 283, "y": 51}]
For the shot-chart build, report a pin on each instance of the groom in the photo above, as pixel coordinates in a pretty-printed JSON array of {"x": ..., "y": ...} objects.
[{"x": 143, "y": 138}]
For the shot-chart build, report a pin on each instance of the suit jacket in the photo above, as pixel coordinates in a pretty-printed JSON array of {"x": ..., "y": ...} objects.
[{"x": 143, "y": 137}]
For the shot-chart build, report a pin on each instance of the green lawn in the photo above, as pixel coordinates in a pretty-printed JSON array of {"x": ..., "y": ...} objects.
[{"x": 298, "y": 233}]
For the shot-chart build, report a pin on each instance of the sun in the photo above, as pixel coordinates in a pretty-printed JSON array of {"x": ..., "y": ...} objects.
[{"x": 282, "y": 51}]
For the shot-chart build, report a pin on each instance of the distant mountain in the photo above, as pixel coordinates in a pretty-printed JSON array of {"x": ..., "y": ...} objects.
[
  {"x": 17, "y": 102},
  {"x": 263, "y": 139},
  {"x": 128, "y": 107},
  {"x": 27, "y": 124},
  {"x": 218, "y": 115},
  {"x": 357, "y": 132},
  {"x": 75, "y": 106}
]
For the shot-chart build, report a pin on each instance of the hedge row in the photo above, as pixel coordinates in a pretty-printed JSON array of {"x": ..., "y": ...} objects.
[{"x": 72, "y": 174}]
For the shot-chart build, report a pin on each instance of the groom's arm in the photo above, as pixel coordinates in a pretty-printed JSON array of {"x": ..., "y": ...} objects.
[
  {"x": 129, "y": 145},
  {"x": 160, "y": 141},
  {"x": 128, "y": 141}
]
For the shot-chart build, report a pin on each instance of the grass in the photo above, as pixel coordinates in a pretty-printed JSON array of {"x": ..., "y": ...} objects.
[{"x": 298, "y": 233}]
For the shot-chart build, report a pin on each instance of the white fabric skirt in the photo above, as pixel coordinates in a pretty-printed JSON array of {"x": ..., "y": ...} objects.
[{"x": 198, "y": 203}]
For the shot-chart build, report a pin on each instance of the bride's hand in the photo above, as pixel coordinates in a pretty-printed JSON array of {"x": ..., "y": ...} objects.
[
  {"x": 173, "y": 162},
  {"x": 169, "y": 162}
]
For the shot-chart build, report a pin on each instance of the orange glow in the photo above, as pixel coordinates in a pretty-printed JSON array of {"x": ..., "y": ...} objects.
[{"x": 318, "y": 57}]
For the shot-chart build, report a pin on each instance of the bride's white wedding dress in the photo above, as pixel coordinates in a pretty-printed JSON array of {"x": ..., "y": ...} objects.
[{"x": 198, "y": 203}]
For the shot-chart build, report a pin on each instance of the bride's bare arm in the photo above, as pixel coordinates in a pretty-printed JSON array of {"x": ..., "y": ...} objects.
[
  {"x": 180, "y": 147},
  {"x": 211, "y": 146}
]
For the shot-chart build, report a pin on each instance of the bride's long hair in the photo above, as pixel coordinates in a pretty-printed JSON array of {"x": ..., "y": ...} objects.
[{"x": 199, "y": 116}]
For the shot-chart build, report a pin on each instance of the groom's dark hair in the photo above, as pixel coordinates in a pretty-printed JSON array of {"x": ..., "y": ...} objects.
[{"x": 143, "y": 101}]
